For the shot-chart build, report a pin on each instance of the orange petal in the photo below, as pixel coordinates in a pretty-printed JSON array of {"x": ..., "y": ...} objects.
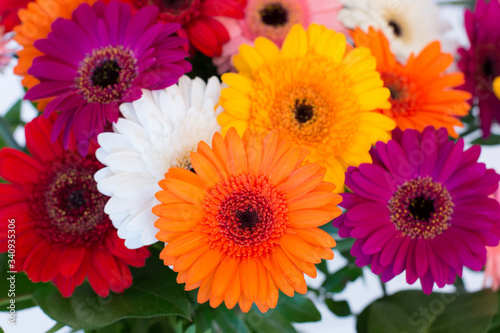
[
  {"x": 315, "y": 236},
  {"x": 284, "y": 166},
  {"x": 179, "y": 212},
  {"x": 237, "y": 153},
  {"x": 203, "y": 266},
  {"x": 205, "y": 289},
  {"x": 244, "y": 303},
  {"x": 185, "y": 243},
  {"x": 185, "y": 261},
  {"x": 299, "y": 248},
  {"x": 309, "y": 218},
  {"x": 293, "y": 274},
  {"x": 232, "y": 294},
  {"x": 312, "y": 200},
  {"x": 187, "y": 191},
  {"x": 223, "y": 276},
  {"x": 205, "y": 169},
  {"x": 248, "y": 275}
]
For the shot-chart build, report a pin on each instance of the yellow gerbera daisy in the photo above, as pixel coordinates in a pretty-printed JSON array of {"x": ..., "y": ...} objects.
[{"x": 315, "y": 91}]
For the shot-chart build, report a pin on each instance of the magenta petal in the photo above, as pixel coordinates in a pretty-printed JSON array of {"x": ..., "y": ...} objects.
[
  {"x": 402, "y": 254},
  {"x": 445, "y": 249},
  {"x": 388, "y": 274},
  {"x": 452, "y": 162},
  {"x": 421, "y": 256},
  {"x": 411, "y": 265},
  {"x": 377, "y": 241},
  {"x": 439, "y": 270},
  {"x": 367, "y": 211},
  {"x": 471, "y": 221},
  {"x": 388, "y": 253},
  {"x": 427, "y": 282}
]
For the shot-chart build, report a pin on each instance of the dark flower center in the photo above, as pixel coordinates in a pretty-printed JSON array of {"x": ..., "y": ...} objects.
[
  {"x": 106, "y": 74},
  {"x": 247, "y": 219},
  {"x": 180, "y": 11},
  {"x": 176, "y": 5},
  {"x": 396, "y": 28},
  {"x": 76, "y": 200},
  {"x": 395, "y": 92},
  {"x": 303, "y": 111},
  {"x": 402, "y": 98},
  {"x": 274, "y": 14},
  {"x": 67, "y": 204},
  {"x": 421, "y": 208},
  {"x": 488, "y": 67}
]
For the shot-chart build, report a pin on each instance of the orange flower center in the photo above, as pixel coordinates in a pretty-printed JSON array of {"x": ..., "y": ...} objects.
[
  {"x": 245, "y": 216},
  {"x": 402, "y": 90}
]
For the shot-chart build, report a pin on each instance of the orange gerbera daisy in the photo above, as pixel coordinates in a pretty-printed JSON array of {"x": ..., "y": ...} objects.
[
  {"x": 244, "y": 226},
  {"x": 421, "y": 93},
  {"x": 36, "y": 20}
]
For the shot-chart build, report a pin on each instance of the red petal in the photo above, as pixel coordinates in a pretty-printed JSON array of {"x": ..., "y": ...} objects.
[
  {"x": 38, "y": 139},
  {"x": 10, "y": 193},
  {"x": 71, "y": 259},
  {"x": 229, "y": 8},
  {"x": 207, "y": 35},
  {"x": 65, "y": 285},
  {"x": 49, "y": 270},
  {"x": 19, "y": 168},
  {"x": 36, "y": 260}
]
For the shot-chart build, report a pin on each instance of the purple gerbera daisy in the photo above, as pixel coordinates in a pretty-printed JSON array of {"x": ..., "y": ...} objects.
[
  {"x": 423, "y": 207},
  {"x": 481, "y": 62},
  {"x": 99, "y": 59}
]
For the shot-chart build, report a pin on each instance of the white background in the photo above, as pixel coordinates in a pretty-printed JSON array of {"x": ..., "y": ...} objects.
[{"x": 359, "y": 294}]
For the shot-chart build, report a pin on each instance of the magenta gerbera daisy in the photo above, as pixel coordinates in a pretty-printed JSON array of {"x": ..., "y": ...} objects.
[
  {"x": 423, "y": 207},
  {"x": 61, "y": 231},
  {"x": 99, "y": 59},
  {"x": 481, "y": 62}
]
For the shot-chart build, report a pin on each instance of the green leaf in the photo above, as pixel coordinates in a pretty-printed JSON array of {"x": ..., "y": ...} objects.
[
  {"x": 344, "y": 244},
  {"x": 23, "y": 287},
  {"x": 202, "y": 67},
  {"x": 298, "y": 309},
  {"x": 56, "y": 328},
  {"x": 339, "y": 308},
  {"x": 493, "y": 139},
  {"x": 269, "y": 322},
  {"x": 203, "y": 317},
  {"x": 229, "y": 321},
  {"x": 337, "y": 282},
  {"x": 13, "y": 116},
  {"x": 412, "y": 311},
  {"x": 154, "y": 292}
]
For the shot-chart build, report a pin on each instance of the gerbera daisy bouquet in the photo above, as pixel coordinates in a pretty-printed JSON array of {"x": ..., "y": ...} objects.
[{"x": 249, "y": 166}]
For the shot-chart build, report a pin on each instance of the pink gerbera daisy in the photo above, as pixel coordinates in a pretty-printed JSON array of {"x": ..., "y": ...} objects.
[
  {"x": 6, "y": 52},
  {"x": 99, "y": 59},
  {"x": 61, "y": 231},
  {"x": 492, "y": 269},
  {"x": 273, "y": 19},
  {"x": 423, "y": 207}
]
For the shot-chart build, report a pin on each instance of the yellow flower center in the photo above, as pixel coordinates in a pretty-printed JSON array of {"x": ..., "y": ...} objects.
[{"x": 310, "y": 98}]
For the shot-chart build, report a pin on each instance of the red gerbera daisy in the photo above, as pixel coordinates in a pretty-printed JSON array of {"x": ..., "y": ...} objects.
[
  {"x": 62, "y": 232},
  {"x": 8, "y": 12},
  {"x": 204, "y": 32}
]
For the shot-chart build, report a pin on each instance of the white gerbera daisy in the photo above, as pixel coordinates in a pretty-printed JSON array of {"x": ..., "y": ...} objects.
[
  {"x": 158, "y": 132},
  {"x": 408, "y": 24}
]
